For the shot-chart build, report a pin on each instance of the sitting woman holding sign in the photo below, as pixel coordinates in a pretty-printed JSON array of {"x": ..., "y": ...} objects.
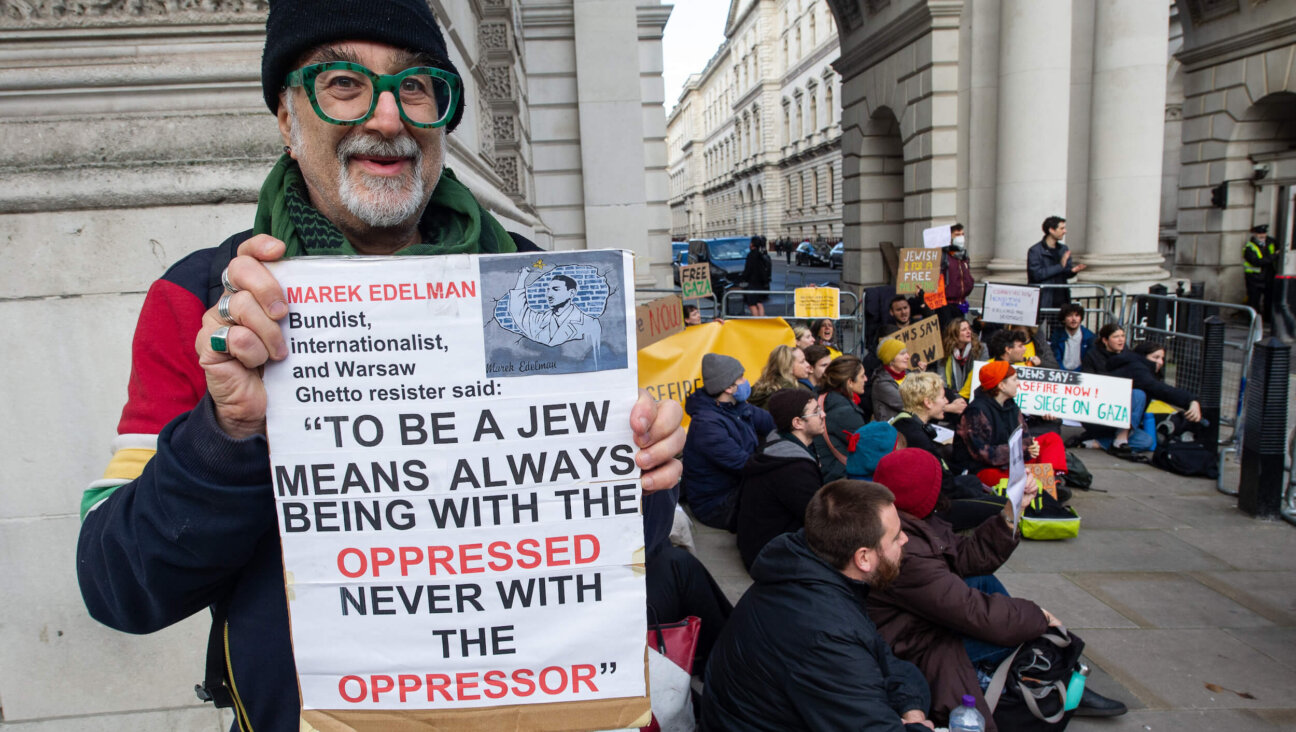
[{"x": 981, "y": 441}]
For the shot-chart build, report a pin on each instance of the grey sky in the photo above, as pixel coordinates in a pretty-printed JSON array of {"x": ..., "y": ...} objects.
[{"x": 693, "y": 33}]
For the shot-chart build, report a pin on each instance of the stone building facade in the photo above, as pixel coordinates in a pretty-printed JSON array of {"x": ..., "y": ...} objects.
[
  {"x": 754, "y": 137},
  {"x": 133, "y": 133},
  {"x": 1119, "y": 116}
]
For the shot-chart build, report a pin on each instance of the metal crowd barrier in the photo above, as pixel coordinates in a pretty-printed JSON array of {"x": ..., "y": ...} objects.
[
  {"x": 702, "y": 302},
  {"x": 848, "y": 329}
]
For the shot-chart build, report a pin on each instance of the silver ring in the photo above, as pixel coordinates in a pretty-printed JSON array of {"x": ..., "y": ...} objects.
[
  {"x": 220, "y": 339},
  {"x": 222, "y": 308},
  {"x": 229, "y": 286}
]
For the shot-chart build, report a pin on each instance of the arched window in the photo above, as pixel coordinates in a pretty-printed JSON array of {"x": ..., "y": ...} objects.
[
  {"x": 829, "y": 184},
  {"x": 812, "y": 27},
  {"x": 828, "y": 103},
  {"x": 813, "y": 102},
  {"x": 798, "y": 40}
]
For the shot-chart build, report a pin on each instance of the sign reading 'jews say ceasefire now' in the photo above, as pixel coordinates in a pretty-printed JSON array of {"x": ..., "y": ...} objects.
[
  {"x": 1074, "y": 395},
  {"x": 456, "y": 490}
]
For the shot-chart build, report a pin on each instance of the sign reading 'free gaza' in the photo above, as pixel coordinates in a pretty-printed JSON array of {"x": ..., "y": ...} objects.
[
  {"x": 456, "y": 491},
  {"x": 1073, "y": 395}
]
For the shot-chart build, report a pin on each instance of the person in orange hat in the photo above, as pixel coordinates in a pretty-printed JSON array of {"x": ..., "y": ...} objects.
[{"x": 981, "y": 440}]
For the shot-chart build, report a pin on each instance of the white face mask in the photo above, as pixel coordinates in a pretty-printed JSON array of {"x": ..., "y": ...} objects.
[{"x": 959, "y": 241}]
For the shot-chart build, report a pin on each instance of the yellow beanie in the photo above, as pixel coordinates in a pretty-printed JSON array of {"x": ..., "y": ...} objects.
[{"x": 888, "y": 350}]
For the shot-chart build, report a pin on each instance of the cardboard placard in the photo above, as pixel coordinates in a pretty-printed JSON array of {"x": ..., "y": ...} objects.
[
  {"x": 937, "y": 237},
  {"x": 1072, "y": 395},
  {"x": 936, "y": 299},
  {"x": 919, "y": 270},
  {"x": 695, "y": 281},
  {"x": 923, "y": 339},
  {"x": 817, "y": 302},
  {"x": 1011, "y": 304},
  {"x": 658, "y": 319},
  {"x": 456, "y": 492}
]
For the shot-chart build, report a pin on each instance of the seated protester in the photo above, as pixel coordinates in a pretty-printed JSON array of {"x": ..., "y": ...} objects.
[
  {"x": 781, "y": 478},
  {"x": 844, "y": 412},
  {"x": 1111, "y": 341},
  {"x": 962, "y": 349},
  {"x": 896, "y": 365},
  {"x": 818, "y": 357},
  {"x": 804, "y": 338},
  {"x": 946, "y": 612},
  {"x": 676, "y": 582},
  {"x": 799, "y": 652},
  {"x": 824, "y": 330},
  {"x": 1072, "y": 341},
  {"x": 981, "y": 441},
  {"x": 1143, "y": 367},
  {"x": 969, "y": 501},
  {"x": 784, "y": 369},
  {"x": 904, "y": 312},
  {"x": 1008, "y": 345},
  {"x": 1037, "y": 352},
  {"x": 721, "y": 436},
  {"x": 867, "y": 446}
]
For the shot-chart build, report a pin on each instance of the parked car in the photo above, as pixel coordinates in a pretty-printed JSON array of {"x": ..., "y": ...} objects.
[
  {"x": 835, "y": 256},
  {"x": 727, "y": 257},
  {"x": 807, "y": 255}
]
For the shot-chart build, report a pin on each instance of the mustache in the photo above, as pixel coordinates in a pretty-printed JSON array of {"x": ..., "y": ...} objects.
[{"x": 368, "y": 146}]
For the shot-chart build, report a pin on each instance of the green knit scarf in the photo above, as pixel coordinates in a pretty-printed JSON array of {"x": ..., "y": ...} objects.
[{"x": 453, "y": 223}]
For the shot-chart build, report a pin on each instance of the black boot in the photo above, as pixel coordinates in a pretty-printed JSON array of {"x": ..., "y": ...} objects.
[{"x": 1093, "y": 704}]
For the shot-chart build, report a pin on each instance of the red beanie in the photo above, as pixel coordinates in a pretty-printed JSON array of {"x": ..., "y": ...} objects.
[
  {"x": 914, "y": 476},
  {"x": 994, "y": 372}
]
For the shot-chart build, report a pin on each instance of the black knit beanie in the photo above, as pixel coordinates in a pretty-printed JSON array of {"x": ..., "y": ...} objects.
[{"x": 294, "y": 27}]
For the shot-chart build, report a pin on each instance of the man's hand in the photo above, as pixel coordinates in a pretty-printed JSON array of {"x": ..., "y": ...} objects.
[
  {"x": 1052, "y": 620},
  {"x": 916, "y": 716},
  {"x": 660, "y": 438},
  {"x": 1193, "y": 412},
  {"x": 1080, "y": 268},
  {"x": 1066, "y": 257},
  {"x": 234, "y": 377}
]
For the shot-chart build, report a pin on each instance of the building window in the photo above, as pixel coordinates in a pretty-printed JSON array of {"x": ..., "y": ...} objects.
[
  {"x": 798, "y": 40},
  {"x": 829, "y": 184},
  {"x": 814, "y": 110},
  {"x": 787, "y": 123},
  {"x": 828, "y": 104},
  {"x": 812, "y": 27},
  {"x": 800, "y": 120}
]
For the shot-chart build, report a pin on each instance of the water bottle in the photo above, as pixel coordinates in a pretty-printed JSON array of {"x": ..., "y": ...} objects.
[{"x": 966, "y": 718}]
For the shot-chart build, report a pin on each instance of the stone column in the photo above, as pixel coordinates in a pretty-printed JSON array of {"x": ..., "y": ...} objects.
[
  {"x": 1034, "y": 92},
  {"x": 1128, "y": 123}
]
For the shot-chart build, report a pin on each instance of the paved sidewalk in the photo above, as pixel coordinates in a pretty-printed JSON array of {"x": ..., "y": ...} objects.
[{"x": 1171, "y": 587}]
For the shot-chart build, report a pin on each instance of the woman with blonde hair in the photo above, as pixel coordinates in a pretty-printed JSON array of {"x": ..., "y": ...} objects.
[
  {"x": 962, "y": 348},
  {"x": 804, "y": 338},
  {"x": 785, "y": 366}
]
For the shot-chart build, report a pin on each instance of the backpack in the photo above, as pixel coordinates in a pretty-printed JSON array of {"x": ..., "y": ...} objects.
[
  {"x": 1077, "y": 475},
  {"x": 1186, "y": 458},
  {"x": 1045, "y": 519},
  {"x": 1037, "y": 688}
]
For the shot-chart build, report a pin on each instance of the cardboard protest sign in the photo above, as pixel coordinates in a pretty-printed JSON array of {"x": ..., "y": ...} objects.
[
  {"x": 1072, "y": 395},
  {"x": 1011, "y": 304},
  {"x": 936, "y": 237},
  {"x": 695, "y": 281},
  {"x": 923, "y": 339},
  {"x": 456, "y": 491},
  {"x": 817, "y": 302},
  {"x": 919, "y": 270},
  {"x": 657, "y": 319},
  {"x": 936, "y": 299},
  {"x": 672, "y": 367}
]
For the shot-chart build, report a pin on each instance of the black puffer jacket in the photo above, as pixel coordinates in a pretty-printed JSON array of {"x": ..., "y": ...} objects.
[
  {"x": 1136, "y": 368},
  {"x": 800, "y": 653},
  {"x": 777, "y": 485}
]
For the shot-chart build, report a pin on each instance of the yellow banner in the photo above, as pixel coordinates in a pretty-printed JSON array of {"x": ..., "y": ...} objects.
[{"x": 672, "y": 367}]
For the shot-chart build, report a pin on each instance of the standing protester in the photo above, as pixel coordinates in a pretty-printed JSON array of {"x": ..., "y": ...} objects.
[
  {"x": 1048, "y": 262},
  {"x": 781, "y": 478},
  {"x": 1259, "y": 267},
  {"x": 957, "y": 276},
  {"x": 185, "y": 519},
  {"x": 845, "y": 411},
  {"x": 799, "y": 652},
  {"x": 1072, "y": 341},
  {"x": 724, "y": 431},
  {"x": 756, "y": 274}
]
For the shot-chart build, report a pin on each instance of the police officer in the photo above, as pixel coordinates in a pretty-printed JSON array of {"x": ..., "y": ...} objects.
[{"x": 1259, "y": 265}]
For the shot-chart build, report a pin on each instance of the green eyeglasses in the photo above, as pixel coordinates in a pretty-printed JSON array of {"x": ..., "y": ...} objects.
[{"x": 345, "y": 93}]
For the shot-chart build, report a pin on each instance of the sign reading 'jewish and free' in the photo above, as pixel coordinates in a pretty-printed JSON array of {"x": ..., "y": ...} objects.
[{"x": 455, "y": 483}]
